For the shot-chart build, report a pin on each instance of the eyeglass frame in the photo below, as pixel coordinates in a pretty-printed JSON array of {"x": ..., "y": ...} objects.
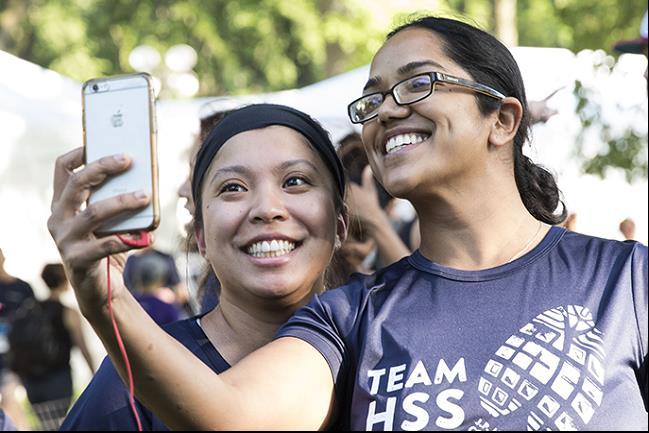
[{"x": 436, "y": 77}]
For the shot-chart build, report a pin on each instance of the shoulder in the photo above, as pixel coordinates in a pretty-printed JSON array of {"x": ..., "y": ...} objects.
[
  {"x": 362, "y": 284},
  {"x": 22, "y": 286},
  {"x": 601, "y": 249},
  {"x": 182, "y": 330},
  {"x": 348, "y": 301}
]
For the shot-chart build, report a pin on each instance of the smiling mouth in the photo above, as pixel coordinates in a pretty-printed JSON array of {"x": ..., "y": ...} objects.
[
  {"x": 400, "y": 141},
  {"x": 271, "y": 248}
]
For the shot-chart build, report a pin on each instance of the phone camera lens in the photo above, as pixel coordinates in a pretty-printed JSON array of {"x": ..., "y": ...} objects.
[{"x": 95, "y": 87}]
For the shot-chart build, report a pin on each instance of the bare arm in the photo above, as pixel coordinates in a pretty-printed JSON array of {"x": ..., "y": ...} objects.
[
  {"x": 286, "y": 384},
  {"x": 72, "y": 321},
  {"x": 364, "y": 204}
]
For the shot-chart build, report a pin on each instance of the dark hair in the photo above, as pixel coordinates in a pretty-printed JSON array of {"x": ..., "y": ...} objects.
[
  {"x": 151, "y": 272},
  {"x": 209, "y": 122},
  {"x": 54, "y": 275},
  {"x": 489, "y": 62}
]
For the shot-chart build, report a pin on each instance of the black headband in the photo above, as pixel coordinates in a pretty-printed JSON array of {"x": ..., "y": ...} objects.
[{"x": 260, "y": 116}]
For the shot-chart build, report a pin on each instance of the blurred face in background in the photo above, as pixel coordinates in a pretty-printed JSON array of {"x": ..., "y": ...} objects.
[{"x": 185, "y": 189}]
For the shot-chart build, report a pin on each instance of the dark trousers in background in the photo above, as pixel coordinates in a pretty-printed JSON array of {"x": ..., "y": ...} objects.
[{"x": 50, "y": 397}]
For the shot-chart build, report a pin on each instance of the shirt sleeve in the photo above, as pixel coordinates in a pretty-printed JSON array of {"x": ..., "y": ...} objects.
[
  {"x": 640, "y": 285},
  {"x": 28, "y": 292},
  {"x": 326, "y": 324}
]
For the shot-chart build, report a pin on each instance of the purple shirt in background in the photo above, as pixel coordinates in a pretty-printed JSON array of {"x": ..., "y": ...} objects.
[{"x": 161, "y": 312}]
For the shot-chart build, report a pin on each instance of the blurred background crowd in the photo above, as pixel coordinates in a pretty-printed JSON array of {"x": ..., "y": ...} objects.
[{"x": 582, "y": 62}]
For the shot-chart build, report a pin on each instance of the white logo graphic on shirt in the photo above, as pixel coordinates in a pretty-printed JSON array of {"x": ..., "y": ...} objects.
[{"x": 552, "y": 368}]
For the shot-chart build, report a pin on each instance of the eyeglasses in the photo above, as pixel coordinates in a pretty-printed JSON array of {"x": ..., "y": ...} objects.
[{"x": 409, "y": 91}]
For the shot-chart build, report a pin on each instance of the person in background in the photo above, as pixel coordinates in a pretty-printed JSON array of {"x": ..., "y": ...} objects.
[
  {"x": 50, "y": 390},
  {"x": 637, "y": 45},
  {"x": 373, "y": 240},
  {"x": 627, "y": 228},
  {"x": 151, "y": 292},
  {"x": 571, "y": 222},
  {"x": 176, "y": 290},
  {"x": 14, "y": 292}
]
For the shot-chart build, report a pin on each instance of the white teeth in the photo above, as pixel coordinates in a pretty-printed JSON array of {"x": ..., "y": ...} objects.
[
  {"x": 398, "y": 141},
  {"x": 274, "y": 248}
]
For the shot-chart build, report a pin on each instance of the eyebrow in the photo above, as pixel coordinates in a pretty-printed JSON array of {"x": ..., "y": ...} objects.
[
  {"x": 403, "y": 70},
  {"x": 245, "y": 171},
  {"x": 289, "y": 164},
  {"x": 231, "y": 169},
  {"x": 412, "y": 66}
]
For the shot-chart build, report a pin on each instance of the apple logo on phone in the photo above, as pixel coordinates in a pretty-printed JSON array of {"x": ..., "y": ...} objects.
[{"x": 117, "y": 119}]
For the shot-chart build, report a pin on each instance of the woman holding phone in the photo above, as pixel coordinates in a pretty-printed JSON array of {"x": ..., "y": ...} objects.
[
  {"x": 499, "y": 321},
  {"x": 268, "y": 228}
]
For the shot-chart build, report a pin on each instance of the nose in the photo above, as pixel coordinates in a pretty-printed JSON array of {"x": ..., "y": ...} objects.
[
  {"x": 184, "y": 190},
  {"x": 389, "y": 109},
  {"x": 268, "y": 206}
]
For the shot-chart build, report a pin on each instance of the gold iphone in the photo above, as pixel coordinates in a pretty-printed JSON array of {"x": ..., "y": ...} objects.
[{"x": 119, "y": 118}]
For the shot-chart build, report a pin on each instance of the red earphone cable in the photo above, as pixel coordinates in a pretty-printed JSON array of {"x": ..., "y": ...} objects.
[{"x": 131, "y": 388}]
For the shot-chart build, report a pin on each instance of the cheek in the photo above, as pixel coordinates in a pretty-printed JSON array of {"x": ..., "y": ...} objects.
[
  {"x": 221, "y": 220},
  {"x": 318, "y": 214},
  {"x": 368, "y": 135}
]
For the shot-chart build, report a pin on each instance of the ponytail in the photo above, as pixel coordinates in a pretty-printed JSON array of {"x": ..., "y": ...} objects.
[{"x": 538, "y": 190}]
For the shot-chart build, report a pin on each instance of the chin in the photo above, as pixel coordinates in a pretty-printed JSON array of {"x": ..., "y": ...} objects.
[
  {"x": 272, "y": 288},
  {"x": 400, "y": 187}
]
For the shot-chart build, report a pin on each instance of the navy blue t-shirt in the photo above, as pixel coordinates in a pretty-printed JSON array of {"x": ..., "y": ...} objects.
[
  {"x": 104, "y": 403},
  {"x": 12, "y": 295},
  {"x": 556, "y": 339}
]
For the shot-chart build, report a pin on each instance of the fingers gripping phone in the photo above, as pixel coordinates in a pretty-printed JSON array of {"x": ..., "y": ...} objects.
[{"x": 119, "y": 118}]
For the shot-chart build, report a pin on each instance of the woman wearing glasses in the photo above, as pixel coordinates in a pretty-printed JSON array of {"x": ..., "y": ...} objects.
[{"x": 499, "y": 321}]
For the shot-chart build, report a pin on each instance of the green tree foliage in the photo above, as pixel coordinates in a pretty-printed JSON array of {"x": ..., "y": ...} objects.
[
  {"x": 253, "y": 46},
  {"x": 243, "y": 46},
  {"x": 625, "y": 150},
  {"x": 578, "y": 24}
]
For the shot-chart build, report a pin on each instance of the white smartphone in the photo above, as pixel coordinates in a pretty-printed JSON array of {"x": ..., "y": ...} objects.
[{"x": 119, "y": 118}]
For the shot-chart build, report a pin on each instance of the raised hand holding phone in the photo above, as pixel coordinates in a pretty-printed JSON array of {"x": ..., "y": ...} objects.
[{"x": 119, "y": 118}]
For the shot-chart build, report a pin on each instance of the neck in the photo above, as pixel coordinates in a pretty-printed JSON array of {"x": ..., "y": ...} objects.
[
  {"x": 477, "y": 229},
  {"x": 56, "y": 293},
  {"x": 4, "y": 276},
  {"x": 237, "y": 330}
]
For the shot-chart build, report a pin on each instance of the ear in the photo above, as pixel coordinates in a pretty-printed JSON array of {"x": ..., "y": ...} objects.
[
  {"x": 200, "y": 238},
  {"x": 507, "y": 122},
  {"x": 342, "y": 225}
]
